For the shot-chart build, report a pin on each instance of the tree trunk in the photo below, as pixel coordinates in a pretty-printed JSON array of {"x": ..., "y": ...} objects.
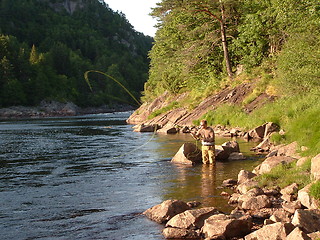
[{"x": 224, "y": 41}]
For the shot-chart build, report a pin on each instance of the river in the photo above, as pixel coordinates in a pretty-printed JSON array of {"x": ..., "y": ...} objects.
[{"x": 90, "y": 177}]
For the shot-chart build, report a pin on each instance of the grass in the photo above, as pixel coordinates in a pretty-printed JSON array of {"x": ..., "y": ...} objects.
[
  {"x": 298, "y": 116},
  {"x": 315, "y": 190},
  {"x": 285, "y": 174}
]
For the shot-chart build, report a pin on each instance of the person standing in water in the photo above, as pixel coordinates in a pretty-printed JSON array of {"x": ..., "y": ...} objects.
[{"x": 206, "y": 134}]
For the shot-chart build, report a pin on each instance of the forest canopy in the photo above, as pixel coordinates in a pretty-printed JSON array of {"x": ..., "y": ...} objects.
[
  {"x": 46, "y": 46},
  {"x": 201, "y": 45}
]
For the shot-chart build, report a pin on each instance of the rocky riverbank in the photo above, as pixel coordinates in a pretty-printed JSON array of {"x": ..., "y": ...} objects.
[
  {"x": 259, "y": 213},
  {"x": 57, "y": 109}
]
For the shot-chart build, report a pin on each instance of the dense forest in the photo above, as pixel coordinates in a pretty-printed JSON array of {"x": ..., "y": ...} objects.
[
  {"x": 204, "y": 46},
  {"x": 46, "y": 46},
  {"x": 201, "y": 44}
]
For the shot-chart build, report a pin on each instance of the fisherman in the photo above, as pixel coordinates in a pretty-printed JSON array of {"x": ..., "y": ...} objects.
[{"x": 206, "y": 134}]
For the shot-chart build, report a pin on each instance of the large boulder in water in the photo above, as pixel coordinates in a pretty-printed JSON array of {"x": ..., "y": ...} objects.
[
  {"x": 188, "y": 154},
  {"x": 163, "y": 212}
]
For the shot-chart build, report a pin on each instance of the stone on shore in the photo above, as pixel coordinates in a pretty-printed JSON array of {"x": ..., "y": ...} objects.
[
  {"x": 187, "y": 154},
  {"x": 307, "y": 219},
  {"x": 315, "y": 168},
  {"x": 244, "y": 176},
  {"x": 180, "y": 233},
  {"x": 276, "y": 231},
  {"x": 192, "y": 218},
  {"x": 271, "y": 162},
  {"x": 306, "y": 199},
  {"x": 146, "y": 128},
  {"x": 163, "y": 212},
  {"x": 255, "y": 203},
  {"x": 226, "y": 227},
  {"x": 297, "y": 234}
]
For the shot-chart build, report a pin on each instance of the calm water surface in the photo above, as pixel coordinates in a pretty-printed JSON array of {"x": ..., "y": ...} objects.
[{"x": 90, "y": 177}]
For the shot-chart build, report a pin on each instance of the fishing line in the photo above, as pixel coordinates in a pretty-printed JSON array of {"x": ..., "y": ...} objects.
[
  {"x": 112, "y": 78},
  {"x": 86, "y": 77}
]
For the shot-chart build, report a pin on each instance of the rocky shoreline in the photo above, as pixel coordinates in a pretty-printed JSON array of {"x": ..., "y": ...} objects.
[
  {"x": 259, "y": 213},
  {"x": 57, "y": 109}
]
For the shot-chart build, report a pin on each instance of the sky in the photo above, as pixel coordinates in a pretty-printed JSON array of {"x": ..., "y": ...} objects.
[{"x": 136, "y": 12}]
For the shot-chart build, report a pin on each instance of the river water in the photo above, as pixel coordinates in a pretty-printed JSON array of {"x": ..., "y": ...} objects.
[{"x": 90, "y": 177}]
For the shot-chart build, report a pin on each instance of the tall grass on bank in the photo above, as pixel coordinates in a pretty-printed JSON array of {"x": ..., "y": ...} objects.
[
  {"x": 285, "y": 174},
  {"x": 298, "y": 116}
]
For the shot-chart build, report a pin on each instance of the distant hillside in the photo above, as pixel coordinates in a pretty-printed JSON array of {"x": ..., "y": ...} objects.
[{"x": 46, "y": 46}]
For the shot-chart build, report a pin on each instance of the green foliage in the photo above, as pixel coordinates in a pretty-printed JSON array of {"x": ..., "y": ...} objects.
[
  {"x": 286, "y": 174},
  {"x": 298, "y": 64},
  {"x": 315, "y": 190},
  {"x": 49, "y": 49}
]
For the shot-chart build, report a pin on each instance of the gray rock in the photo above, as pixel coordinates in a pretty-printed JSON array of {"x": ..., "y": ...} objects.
[
  {"x": 315, "y": 168},
  {"x": 244, "y": 176},
  {"x": 307, "y": 200},
  {"x": 258, "y": 202},
  {"x": 180, "y": 233},
  {"x": 297, "y": 234},
  {"x": 308, "y": 220},
  {"x": 192, "y": 218},
  {"x": 226, "y": 227},
  {"x": 163, "y": 212},
  {"x": 271, "y": 162},
  {"x": 276, "y": 231},
  {"x": 187, "y": 154}
]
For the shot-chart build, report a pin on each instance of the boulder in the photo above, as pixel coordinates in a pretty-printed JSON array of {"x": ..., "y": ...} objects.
[
  {"x": 246, "y": 186},
  {"x": 258, "y": 132},
  {"x": 307, "y": 219},
  {"x": 289, "y": 193},
  {"x": 270, "y": 128},
  {"x": 229, "y": 183},
  {"x": 231, "y": 146},
  {"x": 291, "y": 207},
  {"x": 289, "y": 150},
  {"x": 226, "y": 227},
  {"x": 192, "y": 218},
  {"x": 281, "y": 215},
  {"x": 315, "y": 167},
  {"x": 297, "y": 234},
  {"x": 264, "y": 146},
  {"x": 291, "y": 189},
  {"x": 255, "y": 203},
  {"x": 276, "y": 231},
  {"x": 163, "y": 212},
  {"x": 270, "y": 163},
  {"x": 220, "y": 153},
  {"x": 301, "y": 161},
  {"x": 307, "y": 200},
  {"x": 244, "y": 176},
  {"x": 314, "y": 235},
  {"x": 187, "y": 154},
  {"x": 180, "y": 233},
  {"x": 146, "y": 128},
  {"x": 168, "y": 130}
]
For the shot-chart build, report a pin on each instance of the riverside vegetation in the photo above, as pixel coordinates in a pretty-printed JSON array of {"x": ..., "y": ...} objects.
[
  {"x": 201, "y": 48},
  {"x": 204, "y": 47},
  {"x": 46, "y": 46}
]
